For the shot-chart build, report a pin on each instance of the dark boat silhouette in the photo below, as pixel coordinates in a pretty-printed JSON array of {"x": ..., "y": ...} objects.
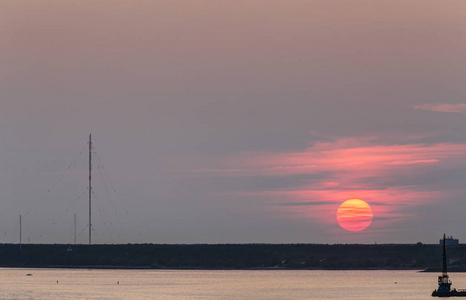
[{"x": 444, "y": 282}]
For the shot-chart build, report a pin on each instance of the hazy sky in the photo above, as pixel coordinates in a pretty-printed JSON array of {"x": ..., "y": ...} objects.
[{"x": 232, "y": 121}]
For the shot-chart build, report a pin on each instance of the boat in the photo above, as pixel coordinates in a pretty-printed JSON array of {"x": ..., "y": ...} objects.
[{"x": 444, "y": 282}]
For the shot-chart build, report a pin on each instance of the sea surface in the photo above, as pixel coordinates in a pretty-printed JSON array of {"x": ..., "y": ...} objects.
[{"x": 51, "y": 284}]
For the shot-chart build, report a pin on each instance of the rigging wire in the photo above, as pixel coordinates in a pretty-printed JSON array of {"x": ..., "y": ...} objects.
[
  {"x": 106, "y": 218},
  {"x": 101, "y": 211},
  {"x": 84, "y": 230},
  {"x": 71, "y": 203},
  {"x": 100, "y": 168},
  {"x": 59, "y": 179},
  {"x": 11, "y": 229},
  {"x": 49, "y": 190}
]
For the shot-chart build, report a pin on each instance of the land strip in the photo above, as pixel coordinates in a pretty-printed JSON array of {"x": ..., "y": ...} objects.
[{"x": 234, "y": 256}]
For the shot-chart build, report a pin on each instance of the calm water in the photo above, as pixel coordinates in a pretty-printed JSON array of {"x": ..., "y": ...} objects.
[{"x": 170, "y": 284}]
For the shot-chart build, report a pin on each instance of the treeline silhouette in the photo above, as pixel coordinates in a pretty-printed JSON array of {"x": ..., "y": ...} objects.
[{"x": 232, "y": 256}]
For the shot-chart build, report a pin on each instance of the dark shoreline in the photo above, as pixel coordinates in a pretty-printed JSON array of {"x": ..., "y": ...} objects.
[
  {"x": 233, "y": 256},
  {"x": 213, "y": 269}
]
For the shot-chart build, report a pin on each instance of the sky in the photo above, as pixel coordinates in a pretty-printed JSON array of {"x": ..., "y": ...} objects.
[{"x": 232, "y": 121}]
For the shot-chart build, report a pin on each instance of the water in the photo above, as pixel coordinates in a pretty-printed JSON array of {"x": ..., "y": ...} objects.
[{"x": 188, "y": 284}]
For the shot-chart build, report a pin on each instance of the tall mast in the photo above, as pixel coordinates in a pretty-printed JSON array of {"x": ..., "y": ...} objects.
[
  {"x": 75, "y": 229},
  {"x": 444, "y": 268},
  {"x": 90, "y": 187},
  {"x": 20, "y": 233}
]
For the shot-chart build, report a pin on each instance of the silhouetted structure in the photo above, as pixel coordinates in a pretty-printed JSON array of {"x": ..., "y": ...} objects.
[
  {"x": 450, "y": 241},
  {"x": 444, "y": 283},
  {"x": 90, "y": 187}
]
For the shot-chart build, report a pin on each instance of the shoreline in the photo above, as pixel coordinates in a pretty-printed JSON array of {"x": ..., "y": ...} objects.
[
  {"x": 417, "y": 257},
  {"x": 103, "y": 267}
]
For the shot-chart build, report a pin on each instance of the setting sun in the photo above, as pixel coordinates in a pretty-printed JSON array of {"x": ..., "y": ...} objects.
[{"x": 354, "y": 215}]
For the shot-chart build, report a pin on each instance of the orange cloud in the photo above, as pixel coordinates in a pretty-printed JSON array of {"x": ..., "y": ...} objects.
[{"x": 443, "y": 107}]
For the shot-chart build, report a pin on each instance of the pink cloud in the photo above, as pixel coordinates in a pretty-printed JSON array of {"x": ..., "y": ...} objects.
[
  {"x": 361, "y": 168},
  {"x": 412, "y": 162},
  {"x": 387, "y": 204},
  {"x": 349, "y": 156},
  {"x": 443, "y": 107}
]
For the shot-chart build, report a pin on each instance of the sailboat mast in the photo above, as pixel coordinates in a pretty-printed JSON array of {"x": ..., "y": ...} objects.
[
  {"x": 90, "y": 187},
  {"x": 444, "y": 268}
]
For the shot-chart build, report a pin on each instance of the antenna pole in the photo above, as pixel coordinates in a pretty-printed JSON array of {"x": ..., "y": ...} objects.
[
  {"x": 20, "y": 232},
  {"x": 90, "y": 187},
  {"x": 75, "y": 229}
]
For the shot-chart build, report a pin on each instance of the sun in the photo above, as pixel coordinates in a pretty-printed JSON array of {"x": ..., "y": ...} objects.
[{"x": 354, "y": 215}]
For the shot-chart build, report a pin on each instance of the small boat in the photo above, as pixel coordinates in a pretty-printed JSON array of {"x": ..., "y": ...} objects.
[{"x": 444, "y": 282}]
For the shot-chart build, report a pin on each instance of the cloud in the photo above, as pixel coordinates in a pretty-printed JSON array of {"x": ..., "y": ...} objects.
[
  {"x": 443, "y": 107},
  {"x": 412, "y": 162},
  {"x": 348, "y": 159},
  {"x": 308, "y": 203},
  {"x": 395, "y": 179}
]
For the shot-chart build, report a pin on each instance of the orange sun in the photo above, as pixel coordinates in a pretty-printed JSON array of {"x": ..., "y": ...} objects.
[{"x": 354, "y": 215}]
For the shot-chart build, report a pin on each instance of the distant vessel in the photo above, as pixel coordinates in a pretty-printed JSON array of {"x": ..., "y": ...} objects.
[{"x": 444, "y": 283}]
